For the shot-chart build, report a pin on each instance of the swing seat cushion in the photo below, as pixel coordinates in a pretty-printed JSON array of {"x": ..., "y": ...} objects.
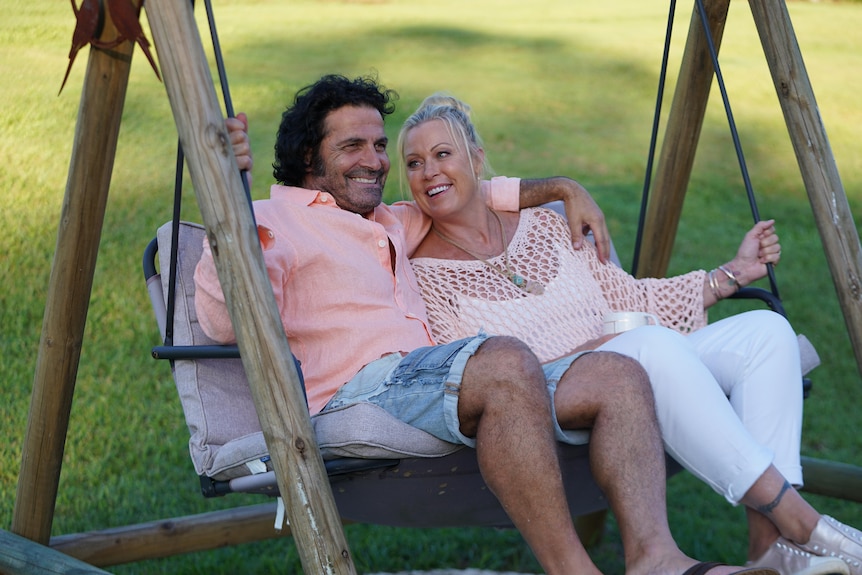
[{"x": 219, "y": 410}]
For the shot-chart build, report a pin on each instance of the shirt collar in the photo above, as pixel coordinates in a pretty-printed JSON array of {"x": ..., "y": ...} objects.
[{"x": 301, "y": 196}]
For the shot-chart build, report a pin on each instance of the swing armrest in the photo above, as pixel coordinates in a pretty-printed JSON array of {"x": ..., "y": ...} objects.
[
  {"x": 764, "y": 295},
  {"x": 195, "y": 352},
  {"x": 149, "y": 261}
]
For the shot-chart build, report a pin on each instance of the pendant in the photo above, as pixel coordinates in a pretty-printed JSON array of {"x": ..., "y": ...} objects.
[
  {"x": 535, "y": 288},
  {"x": 529, "y": 286}
]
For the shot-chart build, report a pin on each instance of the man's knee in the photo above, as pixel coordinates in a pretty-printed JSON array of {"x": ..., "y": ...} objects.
[
  {"x": 503, "y": 376},
  {"x": 503, "y": 364},
  {"x": 506, "y": 358},
  {"x": 603, "y": 383}
]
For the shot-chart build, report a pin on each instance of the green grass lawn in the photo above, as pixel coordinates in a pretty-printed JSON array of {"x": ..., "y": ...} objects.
[{"x": 558, "y": 87}]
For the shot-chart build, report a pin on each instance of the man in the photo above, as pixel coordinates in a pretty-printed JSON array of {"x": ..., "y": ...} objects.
[{"x": 352, "y": 313}]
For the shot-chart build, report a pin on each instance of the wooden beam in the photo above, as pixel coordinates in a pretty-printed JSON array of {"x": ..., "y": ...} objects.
[
  {"x": 272, "y": 376},
  {"x": 20, "y": 556},
  {"x": 69, "y": 287},
  {"x": 216, "y": 529},
  {"x": 816, "y": 162},
  {"x": 169, "y": 537},
  {"x": 677, "y": 154},
  {"x": 832, "y": 479}
]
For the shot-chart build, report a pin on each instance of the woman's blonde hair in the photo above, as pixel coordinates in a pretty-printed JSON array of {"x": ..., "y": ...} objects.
[{"x": 456, "y": 115}]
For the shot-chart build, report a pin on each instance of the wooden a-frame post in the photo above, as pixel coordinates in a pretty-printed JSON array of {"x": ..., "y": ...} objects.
[
  {"x": 69, "y": 286},
  {"x": 267, "y": 359},
  {"x": 807, "y": 134},
  {"x": 315, "y": 523}
]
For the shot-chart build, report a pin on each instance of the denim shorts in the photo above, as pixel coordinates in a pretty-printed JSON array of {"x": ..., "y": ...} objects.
[{"x": 422, "y": 388}]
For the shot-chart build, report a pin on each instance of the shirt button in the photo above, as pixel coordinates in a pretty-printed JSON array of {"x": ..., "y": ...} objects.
[
  {"x": 324, "y": 199},
  {"x": 382, "y": 243}
]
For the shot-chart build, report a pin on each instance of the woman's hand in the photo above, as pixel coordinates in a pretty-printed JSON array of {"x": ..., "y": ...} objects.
[{"x": 759, "y": 247}]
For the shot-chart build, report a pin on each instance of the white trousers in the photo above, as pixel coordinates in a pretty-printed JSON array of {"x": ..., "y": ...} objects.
[{"x": 728, "y": 397}]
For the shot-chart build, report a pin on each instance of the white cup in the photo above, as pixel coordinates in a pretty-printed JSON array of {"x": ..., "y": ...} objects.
[{"x": 620, "y": 321}]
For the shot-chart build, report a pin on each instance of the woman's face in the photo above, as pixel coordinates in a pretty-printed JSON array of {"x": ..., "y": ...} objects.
[{"x": 441, "y": 174}]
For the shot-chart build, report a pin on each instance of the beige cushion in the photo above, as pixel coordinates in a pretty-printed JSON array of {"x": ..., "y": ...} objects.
[{"x": 219, "y": 410}]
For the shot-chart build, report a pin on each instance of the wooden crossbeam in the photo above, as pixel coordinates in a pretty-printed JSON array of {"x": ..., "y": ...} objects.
[
  {"x": 169, "y": 537},
  {"x": 21, "y": 556}
]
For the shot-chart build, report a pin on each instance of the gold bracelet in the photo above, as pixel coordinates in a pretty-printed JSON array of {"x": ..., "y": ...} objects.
[
  {"x": 713, "y": 285},
  {"x": 734, "y": 283}
]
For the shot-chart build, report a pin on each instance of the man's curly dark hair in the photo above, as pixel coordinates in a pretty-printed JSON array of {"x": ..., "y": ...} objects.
[{"x": 302, "y": 124}]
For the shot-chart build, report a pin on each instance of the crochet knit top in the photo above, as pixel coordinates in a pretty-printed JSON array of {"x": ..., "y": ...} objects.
[{"x": 464, "y": 297}]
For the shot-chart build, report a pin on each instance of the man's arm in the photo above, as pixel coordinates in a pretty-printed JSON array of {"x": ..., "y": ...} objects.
[{"x": 582, "y": 211}]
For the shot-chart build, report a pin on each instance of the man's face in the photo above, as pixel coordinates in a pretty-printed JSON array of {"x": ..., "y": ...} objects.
[{"x": 352, "y": 163}]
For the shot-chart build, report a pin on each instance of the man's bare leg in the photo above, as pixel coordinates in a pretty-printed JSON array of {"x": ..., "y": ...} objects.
[
  {"x": 504, "y": 404},
  {"x": 762, "y": 533},
  {"x": 611, "y": 393}
]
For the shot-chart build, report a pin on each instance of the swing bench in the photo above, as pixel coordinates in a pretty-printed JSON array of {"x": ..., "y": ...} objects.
[{"x": 381, "y": 470}]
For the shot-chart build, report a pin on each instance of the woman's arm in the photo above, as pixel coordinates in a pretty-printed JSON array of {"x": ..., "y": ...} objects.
[{"x": 582, "y": 212}]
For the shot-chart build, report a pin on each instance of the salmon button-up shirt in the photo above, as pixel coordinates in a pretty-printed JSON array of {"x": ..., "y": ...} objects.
[{"x": 331, "y": 271}]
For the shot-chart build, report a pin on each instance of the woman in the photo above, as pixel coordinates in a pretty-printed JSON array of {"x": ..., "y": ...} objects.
[{"x": 727, "y": 394}]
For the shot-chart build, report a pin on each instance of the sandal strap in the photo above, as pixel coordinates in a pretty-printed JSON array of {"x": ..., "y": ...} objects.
[{"x": 702, "y": 568}]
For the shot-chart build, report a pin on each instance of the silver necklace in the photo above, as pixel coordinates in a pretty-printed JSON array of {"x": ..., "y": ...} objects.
[{"x": 529, "y": 286}]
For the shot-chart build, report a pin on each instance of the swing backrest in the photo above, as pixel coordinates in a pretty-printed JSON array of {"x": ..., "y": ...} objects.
[
  {"x": 219, "y": 411},
  {"x": 382, "y": 470}
]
